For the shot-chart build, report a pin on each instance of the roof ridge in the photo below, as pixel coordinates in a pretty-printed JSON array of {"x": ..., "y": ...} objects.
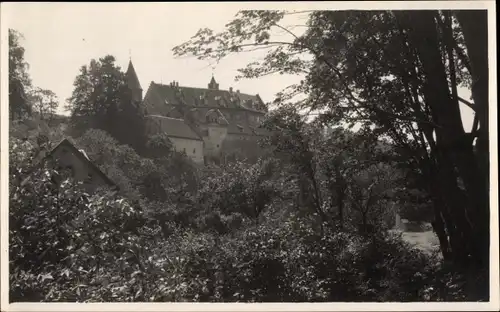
[{"x": 204, "y": 89}]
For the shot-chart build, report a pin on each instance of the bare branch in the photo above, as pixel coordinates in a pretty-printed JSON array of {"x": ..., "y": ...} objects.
[{"x": 469, "y": 104}]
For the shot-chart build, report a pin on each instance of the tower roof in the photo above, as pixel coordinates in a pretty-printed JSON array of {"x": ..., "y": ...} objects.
[
  {"x": 213, "y": 84},
  {"x": 132, "y": 79}
]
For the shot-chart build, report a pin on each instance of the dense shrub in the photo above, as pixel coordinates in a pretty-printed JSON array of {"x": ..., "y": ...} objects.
[
  {"x": 237, "y": 237},
  {"x": 291, "y": 263}
]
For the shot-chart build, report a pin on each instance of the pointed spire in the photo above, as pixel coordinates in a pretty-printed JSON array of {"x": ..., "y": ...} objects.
[
  {"x": 133, "y": 83},
  {"x": 132, "y": 79},
  {"x": 213, "y": 84}
]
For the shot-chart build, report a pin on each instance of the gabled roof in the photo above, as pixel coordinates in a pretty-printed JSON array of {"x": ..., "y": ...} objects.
[
  {"x": 81, "y": 155},
  {"x": 176, "y": 128},
  {"x": 221, "y": 119},
  {"x": 132, "y": 79}
]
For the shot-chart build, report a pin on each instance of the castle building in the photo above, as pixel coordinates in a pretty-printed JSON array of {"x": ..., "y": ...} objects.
[{"x": 205, "y": 123}]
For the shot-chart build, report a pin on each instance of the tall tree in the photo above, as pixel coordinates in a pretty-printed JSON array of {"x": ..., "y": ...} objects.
[
  {"x": 44, "y": 102},
  {"x": 395, "y": 73},
  {"x": 100, "y": 93},
  {"x": 19, "y": 79}
]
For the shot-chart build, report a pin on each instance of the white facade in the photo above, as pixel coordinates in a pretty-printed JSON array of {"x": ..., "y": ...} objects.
[{"x": 192, "y": 148}]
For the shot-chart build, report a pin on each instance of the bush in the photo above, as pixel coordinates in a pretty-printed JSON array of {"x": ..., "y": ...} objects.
[
  {"x": 292, "y": 264},
  {"x": 66, "y": 245},
  {"x": 231, "y": 241}
]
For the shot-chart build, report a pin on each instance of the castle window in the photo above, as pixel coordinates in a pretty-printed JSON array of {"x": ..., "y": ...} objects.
[
  {"x": 218, "y": 100},
  {"x": 184, "y": 149},
  {"x": 194, "y": 150},
  {"x": 217, "y": 145}
]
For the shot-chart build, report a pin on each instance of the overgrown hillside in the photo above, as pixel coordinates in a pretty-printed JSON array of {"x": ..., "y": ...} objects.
[{"x": 311, "y": 220}]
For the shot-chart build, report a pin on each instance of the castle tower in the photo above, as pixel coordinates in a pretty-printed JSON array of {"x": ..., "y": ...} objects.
[
  {"x": 213, "y": 85},
  {"x": 133, "y": 84}
]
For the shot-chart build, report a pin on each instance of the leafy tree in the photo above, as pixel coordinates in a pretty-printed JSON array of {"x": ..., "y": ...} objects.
[
  {"x": 395, "y": 73},
  {"x": 44, "y": 102},
  {"x": 239, "y": 188},
  {"x": 19, "y": 79},
  {"x": 100, "y": 93},
  {"x": 159, "y": 145},
  {"x": 101, "y": 247}
]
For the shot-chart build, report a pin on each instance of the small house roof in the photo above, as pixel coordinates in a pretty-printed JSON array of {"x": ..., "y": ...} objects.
[{"x": 81, "y": 155}]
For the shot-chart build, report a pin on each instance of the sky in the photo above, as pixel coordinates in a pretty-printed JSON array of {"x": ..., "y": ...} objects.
[{"x": 61, "y": 37}]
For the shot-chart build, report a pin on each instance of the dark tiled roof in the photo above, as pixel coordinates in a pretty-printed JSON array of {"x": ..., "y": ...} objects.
[
  {"x": 132, "y": 80},
  {"x": 174, "y": 127},
  {"x": 193, "y": 105},
  {"x": 198, "y": 97}
]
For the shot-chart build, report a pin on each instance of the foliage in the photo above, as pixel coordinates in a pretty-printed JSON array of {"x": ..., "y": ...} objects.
[
  {"x": 24, "y": 98},
  {"x": 100, "y": 247},
  {"x": 290, "y": 264},
  {"x": 100, "y": 93},
  {"x": 395, "y": 74},
  {"x": 19, "y": 79},
  {"x": 44, "y": 102},
  {"x": 159, "y": 145},
  {"x": 308, "y": 222}
]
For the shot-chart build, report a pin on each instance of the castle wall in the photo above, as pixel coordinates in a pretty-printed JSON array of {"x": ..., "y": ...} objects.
[
  {"x": 192, "y": 148},
  {"x": 214, "y": 140}
]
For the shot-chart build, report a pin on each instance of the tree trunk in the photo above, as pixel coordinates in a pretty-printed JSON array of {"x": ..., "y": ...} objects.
[
  {"x": 454, "y": 155},
  {"x": 474, "y": 24}
]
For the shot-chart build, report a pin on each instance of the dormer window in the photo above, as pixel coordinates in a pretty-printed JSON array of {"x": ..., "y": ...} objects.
[
  {"x": 218, "y": 100},
  {"x": 203, "y": 99}
]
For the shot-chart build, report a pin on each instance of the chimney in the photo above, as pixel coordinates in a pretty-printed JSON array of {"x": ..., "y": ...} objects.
[
  {"x": 238, "y": 91},
  {"x": 176, "y": 83},
  {"x": 230, "y": 89}
]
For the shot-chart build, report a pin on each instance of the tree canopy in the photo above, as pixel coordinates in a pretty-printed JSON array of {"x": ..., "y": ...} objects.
[
  {"x": 395, "y": 74},
  {"x": 378, "y": 132}
]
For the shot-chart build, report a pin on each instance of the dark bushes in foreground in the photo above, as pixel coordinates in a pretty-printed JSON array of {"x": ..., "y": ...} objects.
[{"x": 69, "y": 246}]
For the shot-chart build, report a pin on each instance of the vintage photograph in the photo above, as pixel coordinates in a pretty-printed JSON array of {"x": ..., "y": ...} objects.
[{"x": 182, "y": 152}]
